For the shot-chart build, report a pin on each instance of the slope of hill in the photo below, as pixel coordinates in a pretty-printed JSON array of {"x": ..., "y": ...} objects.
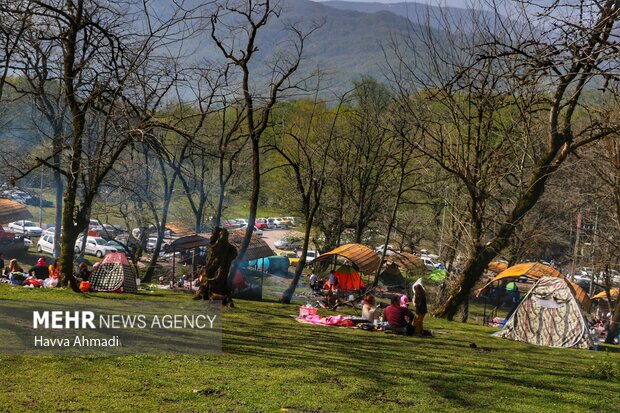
[
  {"x": 418, "y": 13},
  {"x": 349, "y": 43}
]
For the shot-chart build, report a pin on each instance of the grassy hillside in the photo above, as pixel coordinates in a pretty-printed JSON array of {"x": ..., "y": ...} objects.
[{"x": 270, "y": 363}]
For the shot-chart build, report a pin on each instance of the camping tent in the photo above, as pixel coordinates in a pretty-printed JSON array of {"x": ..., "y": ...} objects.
[
  {"x": 535, "y": 271},
  {"x": 393, "y": 279},
  {"x": 549, "y": 315},
  {"x": 114, "y": 274},
  {"x": 348, "y": 279}
]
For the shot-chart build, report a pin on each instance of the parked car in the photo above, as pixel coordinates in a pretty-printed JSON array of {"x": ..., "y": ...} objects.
[
  {"x": 286, "y": 222},
  {"x": 311, "y": 255},
  {"x": 151, "y": 231},
  {"x": 292, "y": 256},
  {"x": 28, "y": 243},
  {"x": 46, "y": 243},
  {"x": 94, "y": 246},
  {"x": 231, "y": 224},
  {"x": 390, "y": 250},
  {"x": 263, "y": 223},
  {"x": 6, "y": 237},
  {"x": 25, "y": 227},
  {"x": 288, "y": 243},
  {"x": 258, "y": 231},
  {"x": 241, "y": 222},
  {"x": 117, "y": 246},
  {"x": 430, "y": 263},
  {"x": 277, "y": 222},
  {"x": 291, "y": 221},
  {"x": 49, "y": 231}
]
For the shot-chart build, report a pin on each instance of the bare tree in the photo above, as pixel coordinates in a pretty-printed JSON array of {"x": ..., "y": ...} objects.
[
  {"x": 235, "y": 25},
  {"x": 538, "y": 62},
  {"x": 304, "y": 145},
  {"x": 103, "y": 64}
]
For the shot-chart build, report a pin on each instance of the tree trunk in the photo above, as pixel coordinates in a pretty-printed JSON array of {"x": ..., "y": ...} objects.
[
  {"x": 287, "y": 296},
  {"x": 482, "y": 256},
  {"x": 220, "y": 206},
  {"x": 70, "y": 233},
  {"x": 614, "y": 323},
  {"x": 253, "y": 202},
  {"x": 161, "y": 229}
]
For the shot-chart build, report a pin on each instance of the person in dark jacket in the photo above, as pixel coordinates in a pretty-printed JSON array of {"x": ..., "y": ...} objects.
[
  {"x": 420, "y": 309},
  {"x": 399, "y": 318},
  {"x": 84, "y": 273},
  {"x": 40, "y": 271}
]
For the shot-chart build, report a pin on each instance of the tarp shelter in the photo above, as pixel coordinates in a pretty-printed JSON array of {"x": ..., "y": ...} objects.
[
  {"x": 348, "y": 279},
  {"x": 114, "y": 274},
  {"x": 405, "y": 260},
  {"x": 362, "y": 256},
  {"x": 535, "y": 271},
  {"x": 12, "y": 211},
  {"x": 187, "y": 243},
  {"x": 603, "y": 295},
  {"x": 258, "y": 248},
  {"x": 549, "y": 315},
  {"x": 497, "y": 266}
]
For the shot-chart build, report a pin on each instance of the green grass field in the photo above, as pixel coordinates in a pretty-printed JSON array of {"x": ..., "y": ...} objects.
[{"x": 271, "y": 363}]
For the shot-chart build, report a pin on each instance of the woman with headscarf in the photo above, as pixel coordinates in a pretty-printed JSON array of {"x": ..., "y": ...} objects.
[{"x": 40, "y": 271}]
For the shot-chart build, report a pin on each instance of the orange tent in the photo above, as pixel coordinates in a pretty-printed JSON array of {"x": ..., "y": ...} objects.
[
  {"x": 535, "y": 271},
  {"x": 348, "y": 279}
]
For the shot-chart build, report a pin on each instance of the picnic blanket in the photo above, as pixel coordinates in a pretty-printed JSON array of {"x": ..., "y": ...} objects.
[{"x": 334, "y": 320}]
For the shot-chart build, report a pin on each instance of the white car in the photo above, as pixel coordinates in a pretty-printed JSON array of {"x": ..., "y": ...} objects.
[
  {"x": 430, "y": 263},
  {"x": 28, "y": 243},
  {"x": 390, "y": 250},
  {"x": 288, "y": 243},
  {"x": 25, "y": 227},
  {"x": 46, "y": 243},
  {"x": 258, "y": 232},
  {"x": 49, "y": 231},
  {"x": 277, "y": 222},
  {"x": 96, "y": 246},
  {"x": 311, "y": 255}
]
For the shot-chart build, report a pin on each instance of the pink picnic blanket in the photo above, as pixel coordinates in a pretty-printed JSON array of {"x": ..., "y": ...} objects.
[{"x": 334, "y": 320}]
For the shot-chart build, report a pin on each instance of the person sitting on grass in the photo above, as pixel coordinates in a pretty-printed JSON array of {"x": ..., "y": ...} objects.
[
  {"x": 15, "y": 267},
  {"x": 40, "y": 271},
  {"x": 83, "y": 274},
  {"x": 399, "y": 318},
  {"x": 370, "y": 311},
  {"x": 54, "y": 269}
]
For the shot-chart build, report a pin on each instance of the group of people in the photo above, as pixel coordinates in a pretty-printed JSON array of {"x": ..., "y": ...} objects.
[
  {"x": 398, "y": 316},
  {"x": 332, "y": 283},
  {"x": 41, "y": 270}
]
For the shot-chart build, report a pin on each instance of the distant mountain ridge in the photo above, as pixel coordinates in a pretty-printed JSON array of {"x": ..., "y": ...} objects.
[{"x": 349, "y": 44}]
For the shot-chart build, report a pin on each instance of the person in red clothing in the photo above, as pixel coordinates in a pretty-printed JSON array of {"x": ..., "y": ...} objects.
[{"x": 398, "y": 317}]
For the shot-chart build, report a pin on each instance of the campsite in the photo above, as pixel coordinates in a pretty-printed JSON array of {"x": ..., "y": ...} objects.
[
  {"x": 309, "y": 206},
  {"x": 270, "y": 363}
]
